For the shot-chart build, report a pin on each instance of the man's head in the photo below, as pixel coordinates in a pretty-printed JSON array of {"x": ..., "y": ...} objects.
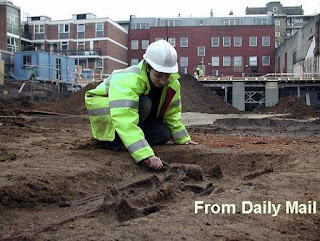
[{"x": 162, "y": 57}]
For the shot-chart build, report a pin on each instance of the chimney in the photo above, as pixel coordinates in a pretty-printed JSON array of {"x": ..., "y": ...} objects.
[{"x": 211, "y": 13}]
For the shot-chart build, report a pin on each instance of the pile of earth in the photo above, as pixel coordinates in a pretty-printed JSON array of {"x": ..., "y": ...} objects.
[
  {"x": 295, "y": 107},
  {"x": 12, "y": 113},
  {"x": 195, "y": 98},
  {"x": 73, "y": 105},
  {"x": 9, "y": 107}
]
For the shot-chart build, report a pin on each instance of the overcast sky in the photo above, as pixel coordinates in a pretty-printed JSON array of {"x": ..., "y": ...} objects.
[{"x": 122, "y": 9}]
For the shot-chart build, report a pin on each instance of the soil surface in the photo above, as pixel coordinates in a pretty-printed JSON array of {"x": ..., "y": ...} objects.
[
  {"x": 56, "y": 184},
  {"x": 295, "y": 107}
]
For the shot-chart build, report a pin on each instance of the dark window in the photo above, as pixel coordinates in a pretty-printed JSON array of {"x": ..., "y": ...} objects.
[
  {"x": 26, "y": 60},
  {"x": 81, "y": 16},
  {"x": 35, "y": 18}
]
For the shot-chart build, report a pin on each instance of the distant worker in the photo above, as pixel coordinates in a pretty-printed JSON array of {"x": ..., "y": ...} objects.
[
  {"x": 140, "y": 106},
  {"x": 198, "y": 72}
]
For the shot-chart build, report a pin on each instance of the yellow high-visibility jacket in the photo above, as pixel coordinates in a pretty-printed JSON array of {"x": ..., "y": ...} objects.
[{"x": 113, "y": 106}]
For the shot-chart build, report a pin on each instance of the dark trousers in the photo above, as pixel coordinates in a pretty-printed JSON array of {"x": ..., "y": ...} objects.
[{"x": 156, "y": 132}]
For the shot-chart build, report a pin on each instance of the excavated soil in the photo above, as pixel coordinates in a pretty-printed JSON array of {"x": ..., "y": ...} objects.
[
  {"x": 295, "y": 107},
  {"x": 55, "y": 184}
]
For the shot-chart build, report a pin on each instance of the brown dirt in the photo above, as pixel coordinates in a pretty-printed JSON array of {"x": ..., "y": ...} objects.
[
  {"x": 56, "y": 185},
  {"x": 74, "y": 105},
  {"x": 295, "y": 107},
  {"x": 197, "y": 98}
]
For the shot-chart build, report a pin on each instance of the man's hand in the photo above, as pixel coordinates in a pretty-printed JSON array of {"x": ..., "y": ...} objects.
[
  {"x": 191, "y": 143},
  {"x": 153, "y": 162}
]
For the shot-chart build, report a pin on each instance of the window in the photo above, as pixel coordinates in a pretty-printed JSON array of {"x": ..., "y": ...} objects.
[
  {"x": 277, "y": 23},
  {"x": 237, "y": 41},
  {"x": 134, "y": 44},
  {"x": 141, "y": 26},
  {"x": 275, "y": 9},
  {"x": 201, "y": 22},
  {"x": 144, "y": 44},
  {"x": 226, "y": 41},
  {"x": 253, "y": 61},
  {"x": 80, "y": 46},
  {"x": 215, "y": 61},
  {"x": 99, "y": 30},
  {"x": 134, "y": 61},
  {"x": 183, "y": 61},
  {"x": 277, "y": 34},
  {"x": 12, "y": 44},
  {"x": 64, "y": 46},
  {"x": 184, "y": 42},
  {"x": 298, "y": 20},
  {"x": 39, "y": 28},
  {"x": 201, "y": 51},
  {"x": 231, "y": 21},
  {"x": 184, "y": 70},
  {"x": 58, "y": 68},
  {"x": 226, "y": 61},
  {"x": 98, "y": 63},
  {"x": 158, "y": 39},
  {"x": 63, "y": 28},
  {"x": 265, "y": 40},
  {"x": 215, "y": 72},
  {"x": 80, "y": 30},
  {"x": 252, "y": 41},
  {"x": 237, "y": 61},
  {"x": 171, "y": 23},
  {"x": 265, "y": 60},
  {"x": 261, "y": 21},
  {"x": 13, "y": 24},
  {"x": 172, "y": 41},
  {"x": 26, "y": 60},
  {"x": 215, "y": 41},
  {"x": 288, "y": 32}
]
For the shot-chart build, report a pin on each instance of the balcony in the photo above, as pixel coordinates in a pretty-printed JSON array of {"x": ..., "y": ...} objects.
[{"x": 84, "y": 52}]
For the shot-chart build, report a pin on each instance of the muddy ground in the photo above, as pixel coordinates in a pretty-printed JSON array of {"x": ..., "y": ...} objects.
[{"x": 56, "y": 185}]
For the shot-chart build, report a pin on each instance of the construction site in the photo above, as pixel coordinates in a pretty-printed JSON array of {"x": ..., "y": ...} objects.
[
  {"x": 57, "y": 185},
  {"x": 250, "y": 99}
]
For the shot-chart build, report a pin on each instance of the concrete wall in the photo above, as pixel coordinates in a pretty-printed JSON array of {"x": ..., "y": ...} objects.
[
  {"x": 305, "y": 47},
  {"x": 238, "y": 95}
]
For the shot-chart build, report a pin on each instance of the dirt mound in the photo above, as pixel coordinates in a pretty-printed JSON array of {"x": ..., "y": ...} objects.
[
  {"x": 197, "y": 98},
  {"x": 9, "y": 107},
  {"x": 74, "y": 105},
  {"x": 295, "y": 107}
]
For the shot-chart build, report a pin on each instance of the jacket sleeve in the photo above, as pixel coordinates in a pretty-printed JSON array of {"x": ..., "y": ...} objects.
[
  {"x": 172, "y": 118},
  {"x": 124, "y": 93}
]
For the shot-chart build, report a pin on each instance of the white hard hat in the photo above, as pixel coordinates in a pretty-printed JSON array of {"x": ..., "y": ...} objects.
[{"x": 162, "y": 57}]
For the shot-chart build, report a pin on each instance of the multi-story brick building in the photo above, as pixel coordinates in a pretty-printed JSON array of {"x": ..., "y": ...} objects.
[
  {"x": 287, "y": 20},
  {"x": 95, "y": 43},
  {"x": 221, "y": 46},
  {"x": 9, "y": 32}
]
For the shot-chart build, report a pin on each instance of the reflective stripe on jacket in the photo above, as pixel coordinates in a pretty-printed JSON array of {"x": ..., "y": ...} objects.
[{"x": 114, "y": 104}]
